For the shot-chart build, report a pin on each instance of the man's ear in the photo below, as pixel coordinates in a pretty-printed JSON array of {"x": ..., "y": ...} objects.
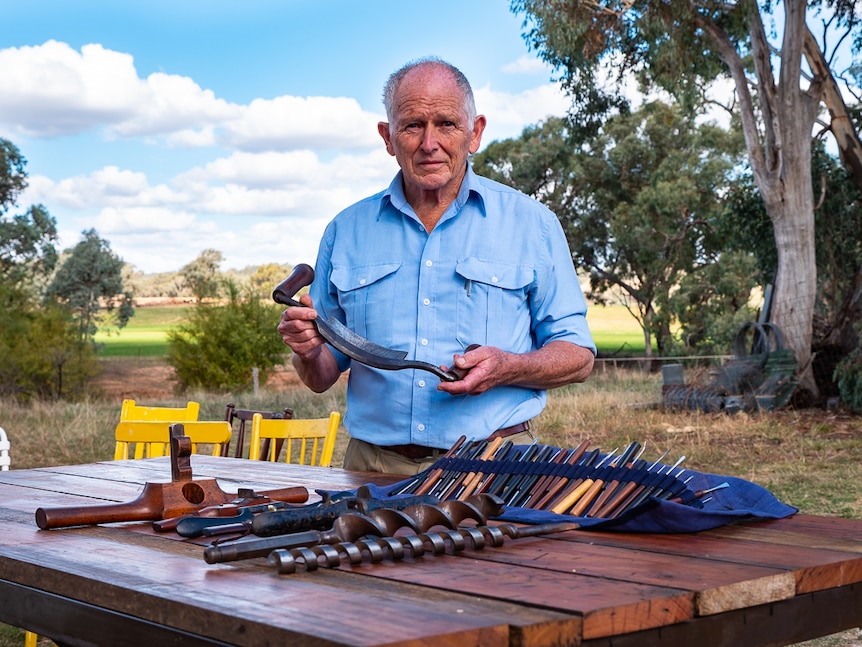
[
  {"x": 476, "y": 135},
  {"x": 383, "y": 129}
]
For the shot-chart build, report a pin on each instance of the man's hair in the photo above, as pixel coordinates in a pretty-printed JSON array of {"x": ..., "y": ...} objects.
[{"x": 396, "y": 77}]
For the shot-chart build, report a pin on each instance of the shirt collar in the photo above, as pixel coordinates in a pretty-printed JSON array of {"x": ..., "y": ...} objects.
[{"x": 470, "y": 186}]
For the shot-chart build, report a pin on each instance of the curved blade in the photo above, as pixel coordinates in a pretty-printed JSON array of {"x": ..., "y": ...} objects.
[
  {"x": 348, "y": 342},
  {"x": 367, "y": 352}
]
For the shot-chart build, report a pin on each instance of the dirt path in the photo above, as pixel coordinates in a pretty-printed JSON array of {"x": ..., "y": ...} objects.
[{"x": 152, "y": 378}]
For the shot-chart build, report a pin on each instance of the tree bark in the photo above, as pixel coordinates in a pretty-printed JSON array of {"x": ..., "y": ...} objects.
[{"x": 780, "y": 156}]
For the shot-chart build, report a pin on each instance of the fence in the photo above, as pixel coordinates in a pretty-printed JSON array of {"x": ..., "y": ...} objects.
[{"x": 651, "y": 364}]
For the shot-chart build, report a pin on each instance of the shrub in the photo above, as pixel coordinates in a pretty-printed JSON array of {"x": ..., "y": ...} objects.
[
  {"x": 219, "y": 345},
  {"x": 848, "y": 375}
]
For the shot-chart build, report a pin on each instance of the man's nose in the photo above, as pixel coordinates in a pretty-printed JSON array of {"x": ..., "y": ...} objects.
[{"x": 429, "y": 139}]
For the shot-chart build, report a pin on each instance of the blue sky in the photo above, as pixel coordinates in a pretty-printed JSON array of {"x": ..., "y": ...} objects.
[{"x": 173, "y": 127}]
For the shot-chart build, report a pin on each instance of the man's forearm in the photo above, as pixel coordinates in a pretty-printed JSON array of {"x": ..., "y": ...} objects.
[
  {"x": 555, "y": 364},
  {"x": 319, "y": 372}
]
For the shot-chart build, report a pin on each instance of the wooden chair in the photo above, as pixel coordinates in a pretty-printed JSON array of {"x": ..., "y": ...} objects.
[
  {"x": 309, "y": 441},
  {"x": 231, "y": 413},
  {"x": 152, "y": 438},
  {"x": 133, "y": 411}
]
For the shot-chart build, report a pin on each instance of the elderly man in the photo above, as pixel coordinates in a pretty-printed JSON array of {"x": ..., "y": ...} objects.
[{"x": 441, "y": 260}]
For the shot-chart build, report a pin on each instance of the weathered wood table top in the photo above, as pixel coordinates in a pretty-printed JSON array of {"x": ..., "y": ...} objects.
[{"x": 758, "y": 583}]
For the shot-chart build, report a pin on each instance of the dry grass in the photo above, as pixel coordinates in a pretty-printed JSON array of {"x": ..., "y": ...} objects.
[{"x": 810, "y": 459}]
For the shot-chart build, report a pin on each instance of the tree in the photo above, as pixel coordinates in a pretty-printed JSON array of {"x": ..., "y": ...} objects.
[
  {"x": 27, "y": 241},
  {"x": 219, "y": 345},
  {"x": 201, "y": 275},
  {"x": 679, "y": 45},
  {"x": 638, "y": 201},
  {"x": 266, "y": 277},
  {"x": 89, "y": 280}
]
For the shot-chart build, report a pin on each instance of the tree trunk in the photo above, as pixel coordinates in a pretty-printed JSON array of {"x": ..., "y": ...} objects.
[{"x": 780, "y": 157}]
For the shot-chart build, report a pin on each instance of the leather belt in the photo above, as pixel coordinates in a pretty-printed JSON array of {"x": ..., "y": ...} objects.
[
  {"x": 505, "y": 432},
  {"x": 418, "y": 452}
]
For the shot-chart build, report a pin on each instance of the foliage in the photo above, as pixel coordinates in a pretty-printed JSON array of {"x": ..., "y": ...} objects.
[
  {"x": 43, "y": 356},
  {"x": 201, "y": 275},
  {"x": 27, "y": 252},
  {"x": 838, "y": 221},
  {"x": 266, "y": 277},
  {"x": 89, "y": 281},
  {"x": 639, "y": 203},
  {"x": 848, "y": 374},
  {"x": 219, "y": 345},
  {"x": 680, "y": 47},
  {"x": 13, "y": 177}
]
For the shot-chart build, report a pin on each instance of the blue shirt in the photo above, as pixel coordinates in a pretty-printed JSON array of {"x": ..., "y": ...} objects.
[{"x": 496, "y": 270}]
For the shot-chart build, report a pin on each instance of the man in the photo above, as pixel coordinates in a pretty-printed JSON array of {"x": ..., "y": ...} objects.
[{"x": 441, "y": 260}]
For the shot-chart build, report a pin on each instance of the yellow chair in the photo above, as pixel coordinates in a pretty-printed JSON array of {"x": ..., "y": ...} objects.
[
  {"x": 133, "y": 411},
  {"x": 309, "y": 441},
  {"x": 152, "y": 438}
]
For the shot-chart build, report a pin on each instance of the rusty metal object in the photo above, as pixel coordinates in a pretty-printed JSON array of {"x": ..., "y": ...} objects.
[
  {"x": 380, "y": 522},
  {"x": 348, "y": 342},
  {"x": 183, "y": 495},
  {"x": 376, "y": 549}
]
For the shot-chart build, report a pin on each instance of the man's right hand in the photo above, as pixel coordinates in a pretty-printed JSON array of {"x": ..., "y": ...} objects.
[
  {"x": 298, "y": 331},
  {"x": 314, "y": 362}
]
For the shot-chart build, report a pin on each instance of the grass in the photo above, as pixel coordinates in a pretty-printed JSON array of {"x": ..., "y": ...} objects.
[
  {"x": 145, "y": 335},
  {"x": 809, "y": 459}
]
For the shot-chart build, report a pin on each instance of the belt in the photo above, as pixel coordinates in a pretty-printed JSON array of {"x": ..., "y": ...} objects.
[
  {"x": 417, "y": 452},
  {"x": 505, "y": 432}
]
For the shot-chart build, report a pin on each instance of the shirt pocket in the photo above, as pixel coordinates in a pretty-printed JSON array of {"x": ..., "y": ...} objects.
[
  {"x": 366, "y": 295},
  {"x": 492, "y": 308}
]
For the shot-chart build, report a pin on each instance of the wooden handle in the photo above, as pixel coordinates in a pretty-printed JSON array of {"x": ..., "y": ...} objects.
[{"x": 302, "y": 275}]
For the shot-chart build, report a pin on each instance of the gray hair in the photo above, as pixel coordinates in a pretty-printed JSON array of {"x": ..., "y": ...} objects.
[{"x": 461, "y": 81}]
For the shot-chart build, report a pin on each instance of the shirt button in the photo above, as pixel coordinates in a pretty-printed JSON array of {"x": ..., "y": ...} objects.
[
  {"x": 494, "y": 279},
  {"x": 429, "y": 263},
  {"x": 361, "y": 281},
  {"x": 427, "y": 302},
  {"x": 422, "y": 383},
  {"x": 420, "y": 427},
  {"x": 424, "y": 342}
]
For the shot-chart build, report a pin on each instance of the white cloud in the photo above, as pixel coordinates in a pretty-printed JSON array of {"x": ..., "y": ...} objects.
[
  {"x": 508, "y": 114},
  {"x": 287, "y": 122},
  {"x": 291, "y": 164},
  {"x": 527, "y": 65},
  {"x": 51, "y": 89}
]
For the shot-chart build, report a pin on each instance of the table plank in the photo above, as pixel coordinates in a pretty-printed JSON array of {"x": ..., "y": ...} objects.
[{"x": 751, "y": 583}]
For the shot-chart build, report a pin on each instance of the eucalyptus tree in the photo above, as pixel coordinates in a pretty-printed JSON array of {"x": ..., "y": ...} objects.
[
  {"x": 639, "y": 201},
  {"x": 681, "y": 45},
  {"x": 90, "y": 282}
]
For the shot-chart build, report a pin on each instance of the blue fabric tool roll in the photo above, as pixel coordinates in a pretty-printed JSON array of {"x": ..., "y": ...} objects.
[{"x": 739, "y": 501}]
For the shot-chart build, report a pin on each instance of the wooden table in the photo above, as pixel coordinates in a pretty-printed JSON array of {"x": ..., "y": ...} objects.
[{"x": 763, "y": 583}]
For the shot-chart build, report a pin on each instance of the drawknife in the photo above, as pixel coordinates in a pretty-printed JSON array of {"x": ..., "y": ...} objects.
[{"x": 348, "y": 342}]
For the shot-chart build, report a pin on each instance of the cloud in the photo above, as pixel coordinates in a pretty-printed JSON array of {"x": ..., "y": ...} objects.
[
  {"x": 51, "y": 89},
  {"x": 508, "y": 114},
  {"x": 286, "y": 123},
  {"x": 275, "y": 171},
  {"x": 527, "y": 65}
]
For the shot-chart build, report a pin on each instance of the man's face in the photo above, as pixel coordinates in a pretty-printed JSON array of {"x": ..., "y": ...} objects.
[{"x": 430, "y": 135}]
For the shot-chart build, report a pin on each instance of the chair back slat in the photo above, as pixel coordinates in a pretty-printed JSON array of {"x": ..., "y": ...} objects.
[
  {"x": 308, "y": 441},
  {"x": 153, "y": 438}
]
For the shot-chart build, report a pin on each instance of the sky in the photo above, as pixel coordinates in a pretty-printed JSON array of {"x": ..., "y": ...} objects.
[{"x": 171, "y": 127}]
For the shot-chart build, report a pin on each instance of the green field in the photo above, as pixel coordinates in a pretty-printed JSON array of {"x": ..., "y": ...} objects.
[
  {"x": 613, "y": 328},
  {"x": 146, "y": 333}
]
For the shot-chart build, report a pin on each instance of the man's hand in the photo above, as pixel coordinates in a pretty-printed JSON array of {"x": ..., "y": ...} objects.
[
  {"x": 556, "y": 364},
  {"x": 312, "y": 359},
  {"x": 298, "y": 331}
]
